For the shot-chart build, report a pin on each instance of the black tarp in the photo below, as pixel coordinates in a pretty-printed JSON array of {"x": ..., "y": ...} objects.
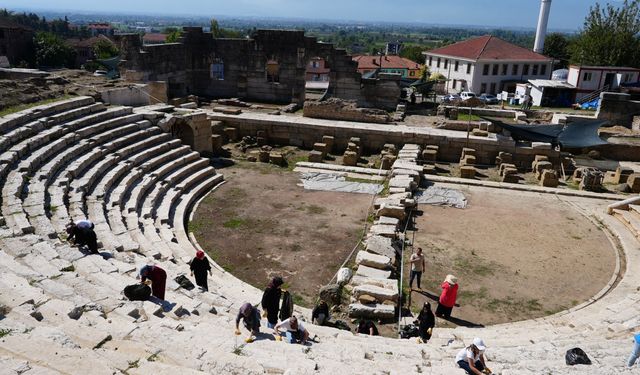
[{"x": 578, "y": 134}]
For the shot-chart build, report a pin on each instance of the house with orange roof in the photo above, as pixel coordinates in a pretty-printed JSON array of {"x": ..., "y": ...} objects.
[
  {"x": 388, "y": 64},
  {"x": 487, "y": 64}
]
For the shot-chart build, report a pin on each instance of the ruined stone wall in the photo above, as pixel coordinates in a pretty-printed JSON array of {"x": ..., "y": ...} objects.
[
  {"x": 305, "y": 132},
  {"x": 617, "y": 108},
  {"x": 187, "y": 68},
  {"x": 338, "y": 109}
]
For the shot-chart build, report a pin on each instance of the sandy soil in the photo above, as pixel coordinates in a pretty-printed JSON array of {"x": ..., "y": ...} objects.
[
  {"x": 261, "y": 224},
  {"x": 517, "y": 255}
]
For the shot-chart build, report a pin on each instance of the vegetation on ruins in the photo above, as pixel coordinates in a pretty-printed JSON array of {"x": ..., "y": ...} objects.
[
  {"x": 556, "y": 45},
  {"x": 103, "y": 49},
  {"x": 610, "y": 37},
  {"x": 52, "y": 51}
]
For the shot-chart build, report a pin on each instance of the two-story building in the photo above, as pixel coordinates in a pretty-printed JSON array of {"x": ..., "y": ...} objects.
[
  {"x": 487, "y": 65},
  {"x": 317, "y": 70},
  {"x": 388, "y": 64}
]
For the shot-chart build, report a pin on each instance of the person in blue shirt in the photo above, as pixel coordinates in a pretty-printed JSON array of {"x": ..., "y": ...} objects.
[{"x": 635, "y": 353}]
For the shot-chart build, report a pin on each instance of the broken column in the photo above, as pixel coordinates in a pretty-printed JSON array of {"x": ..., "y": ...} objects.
[
  {"x": 467, "y": 171},
  {"x": 350, "y": 158},
  {"x": 329, "y": 141},
  {"x": 549, "y": 178}
]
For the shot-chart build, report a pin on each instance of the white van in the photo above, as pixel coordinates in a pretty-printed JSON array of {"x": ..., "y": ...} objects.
[{"x": 466, "y": 95}]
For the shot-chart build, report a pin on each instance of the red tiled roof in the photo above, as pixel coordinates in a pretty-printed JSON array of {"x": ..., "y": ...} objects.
[
  {"x": 388, "y": 62},
  {"x": 155, "y": 37},
  {"x": 487, "y": 48},
  {"x": 87, "y": 43}
]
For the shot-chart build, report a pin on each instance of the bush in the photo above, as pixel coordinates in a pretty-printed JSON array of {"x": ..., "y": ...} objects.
[{"x": 52, "y": 51}]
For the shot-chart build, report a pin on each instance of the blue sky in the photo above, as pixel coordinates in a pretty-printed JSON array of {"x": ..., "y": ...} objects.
[{"x": 565, "y": 14}]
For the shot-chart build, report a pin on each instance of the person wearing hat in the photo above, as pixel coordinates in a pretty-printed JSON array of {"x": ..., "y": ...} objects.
[
  {"x": 447, "y": 297},
  {"x": 471, "y": 359},
  {"x": 158, "y": 278},
  {"x": 250, "y": 316},
  {"x": 426, "y": 322},
  {"x": 199, "y": 267},
  {"x": 271, "y": 300}
]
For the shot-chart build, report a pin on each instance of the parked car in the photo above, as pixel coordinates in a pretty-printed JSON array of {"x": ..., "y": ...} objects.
[
  {"x": 451, "y": 98},
  {"x": 100, "y": 73},
  {"x": 466, "y": 95},
  {"x": 488, "y": 99}
]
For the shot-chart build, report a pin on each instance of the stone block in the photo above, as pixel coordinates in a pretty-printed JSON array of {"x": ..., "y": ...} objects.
[
  {"x": 387, "y": 162},
  {"x": 232, "y": 134},
  {"x": 329, "y": 141},
  {"x": 398, "y": 212},
  {"x": 429, "y": 169},
  {"x": 276, "y": 158},
  {"x": 381, "y": 246},
  {"x": 350, "y": 158},
  {"x": 315, "y": 157},
  {"x": 509, "y": 171},
  {"x": 549, "y": 178},
  {"x": 468, "y": 160},
  {"x": 262, "y": 141},
  {"x": 467, "y": 172},
  {"x": 542, "y": 166},
  {"x": 368, "y": 259},
  {"x": 374, "y": 311},
  {"x": 504, "y": 166},
  {"x": 480, "y": 133},
  {"x": 390, "y": 148},
  {"x": 216, "y": 143},
  {"x": 263, "y": 156},
  {"x": 633, "y": 181},
  {"x": 511, "y": 178},
  {"x": 355, "y": 140},
  {"x": 429, "y": 156},
  {"x": 254, "y": 156},
  {"x": 383, "y": 230},
  {"x": 537, "y": 159},
  {"x": 322, "y": 147},
  {"x": 467, "y": 151},
  {"x": 380, "y": 294},
  {"x": 504, "y": 157},
  {"x": 432, "y": 147},
  {"x": 372, "y": 272},
  {"x": 622, "y": 175}
]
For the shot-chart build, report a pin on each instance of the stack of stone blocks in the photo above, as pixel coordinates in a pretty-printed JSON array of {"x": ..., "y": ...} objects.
[
  {"x": 467, "y": 162},
  {"x": 374, "y": 293},
  {"x": 545, "y": 173},
  {"x": 353, "y": 152},
  {"x": 506, "y": 169}
]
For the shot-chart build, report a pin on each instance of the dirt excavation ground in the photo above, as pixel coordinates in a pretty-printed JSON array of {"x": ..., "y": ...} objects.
[
  {"x": 260, "y": 224},
  {"x": 517, "y": 255}
]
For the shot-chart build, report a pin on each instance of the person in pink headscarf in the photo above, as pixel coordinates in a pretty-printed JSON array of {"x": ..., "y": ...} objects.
[{"x": 199, "y": 267}]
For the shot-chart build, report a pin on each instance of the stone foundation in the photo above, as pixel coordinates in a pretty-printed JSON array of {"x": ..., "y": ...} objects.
[{"x": 347, "y": 110}]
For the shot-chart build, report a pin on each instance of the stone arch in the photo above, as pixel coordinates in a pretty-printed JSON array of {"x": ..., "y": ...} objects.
[{"x": 183, "y": 131}]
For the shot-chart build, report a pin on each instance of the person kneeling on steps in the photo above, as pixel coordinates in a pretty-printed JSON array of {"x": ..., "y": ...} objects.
[
  {"x": 295, "y": 333},
  {"x": 471, "y": 359}
]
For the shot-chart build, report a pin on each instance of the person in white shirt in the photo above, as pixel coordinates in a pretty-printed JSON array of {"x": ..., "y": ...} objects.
[
  {"x": 471, "y": 359},
  {"x": 417, "y": 267},
  {"x": 294, "y": 331}
]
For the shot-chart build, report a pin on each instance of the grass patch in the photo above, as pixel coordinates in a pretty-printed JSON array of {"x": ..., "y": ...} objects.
[
  {"x": 198, "y": 225},
  {"x": 299, "y": 300},
  {"x": 315, "y": 210},
  {"x": 22, "y": 107},
  {"x": 234, "y": 223},
  {"x": 468, "y": 117},
  {"x": 238, "y": 350},
  {"x": 474, "y": 265},
  {"x": 359, "y": 180},
  {"x": 294, "y": 160},
  {"x": 5, "y": 332},
  {"x": 70, "y": 268}
]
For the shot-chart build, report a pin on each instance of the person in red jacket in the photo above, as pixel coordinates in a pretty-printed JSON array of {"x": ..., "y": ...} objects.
[
  {"x": 158, "y": 279},
  {"x": 447, "y": 297}
]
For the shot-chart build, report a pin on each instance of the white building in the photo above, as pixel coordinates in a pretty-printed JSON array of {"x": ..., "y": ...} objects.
[
  {"x": 487, "y": 65},
  {"x": 592, "y": 79}
]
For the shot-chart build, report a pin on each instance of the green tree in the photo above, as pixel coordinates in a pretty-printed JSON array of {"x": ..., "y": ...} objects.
[
  {"x": 104, "y": 49},
  {"x": 556, "y": 45},
  {"x": 610, "y": 36},
  {"x": 173, "y": 36},
  {"x": 413, "y": 53},
  {"x": 215, "y": 28},
  {"x": 52, "y": 51}
]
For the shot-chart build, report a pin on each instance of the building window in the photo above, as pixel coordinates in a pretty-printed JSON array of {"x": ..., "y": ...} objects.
[
  {"x": 525, "y": 70},
  {"x": 543, "y": 70},
  {"x": 495, "y": 69},
  {"x": 430, "y": 61},
  {"x": 493, "y": 88},
  {"x": 535, "y": 70},
  {"x": 587, "y": 77},
  {"x": 217, "y": 70},
  {"x": 485, "y": 69},
  {"x": 514, "y": 69},
  {"x": 273, "y": 71},
  {"x": 505, "y": 69},
  {"x": 438, "y": 63},
  {"x": 446, "y": 63},
  {"x": 469, "y": 68},
  {"x": 454, "y": 84},
  {"x": 455, "y": 67},
  {"x": 483, "y": 88},
  {"x": 315, "y": 64},
  {"x": 1, "y": 33}
]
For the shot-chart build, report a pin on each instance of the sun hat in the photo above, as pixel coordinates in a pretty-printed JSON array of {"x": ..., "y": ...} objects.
[
  {"x": 451, "y": 279},
  {"x": 200, "y": 254},
  {"x": 479, "y": 343}
]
